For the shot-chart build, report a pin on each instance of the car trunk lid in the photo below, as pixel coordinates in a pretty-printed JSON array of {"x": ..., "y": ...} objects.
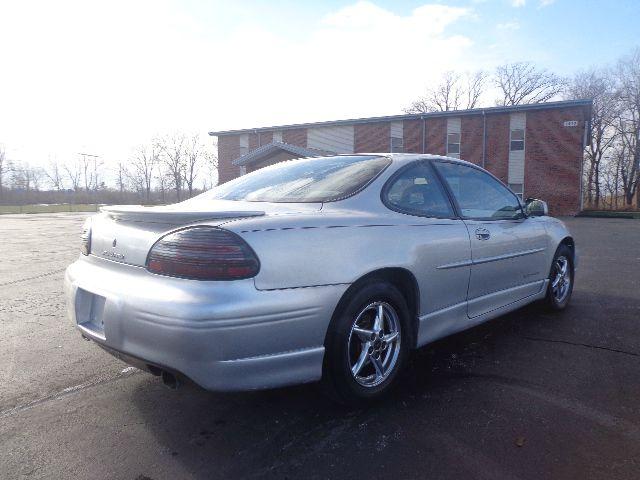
[{"x": 125, "y": 233}]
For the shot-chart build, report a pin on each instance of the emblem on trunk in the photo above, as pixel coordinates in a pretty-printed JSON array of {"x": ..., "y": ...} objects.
[
  {"x": 116, "y": 255},
  {"x": 113, "y": 253}
]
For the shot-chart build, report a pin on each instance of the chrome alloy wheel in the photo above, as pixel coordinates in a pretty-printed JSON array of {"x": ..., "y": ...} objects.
[
  {"x": 374, "y": 344},
  {"x": 561, "y": 279}
]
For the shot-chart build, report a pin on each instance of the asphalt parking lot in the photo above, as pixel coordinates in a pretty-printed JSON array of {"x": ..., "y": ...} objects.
[{"x": 531, "y": 395}]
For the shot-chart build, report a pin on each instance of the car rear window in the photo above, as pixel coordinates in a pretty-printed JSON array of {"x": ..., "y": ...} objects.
[{"x": 322, "y": 179}]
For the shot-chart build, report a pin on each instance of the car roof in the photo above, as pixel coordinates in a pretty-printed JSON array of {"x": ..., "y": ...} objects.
[{"x": 411, "y": 157}]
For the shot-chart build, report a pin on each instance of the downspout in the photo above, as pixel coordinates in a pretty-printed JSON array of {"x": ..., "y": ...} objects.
[
  {"x": 587, "y": 128},
  {"x": 484, "y": 137},
  {"x": 424, "y": 135}
]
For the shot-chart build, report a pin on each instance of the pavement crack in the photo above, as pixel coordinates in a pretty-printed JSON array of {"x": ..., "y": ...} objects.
[
  {"x": 35, "y": 277},
  {"x": 579, "y": 344},
  {"x": 127, "y": 372}
]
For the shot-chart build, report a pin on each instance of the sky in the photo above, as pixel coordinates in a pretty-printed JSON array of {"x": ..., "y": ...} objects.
[{"x": 103, "y": 77}]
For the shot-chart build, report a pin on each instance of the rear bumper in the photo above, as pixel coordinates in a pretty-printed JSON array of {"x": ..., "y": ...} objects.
[{"x": 222, "y": 335}]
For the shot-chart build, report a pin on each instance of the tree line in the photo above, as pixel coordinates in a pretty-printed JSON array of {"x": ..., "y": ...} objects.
[
  {"x": 612, "y": 154},
  {"x": 170, "y": 168},
  {"x": 174, "y": 167}
]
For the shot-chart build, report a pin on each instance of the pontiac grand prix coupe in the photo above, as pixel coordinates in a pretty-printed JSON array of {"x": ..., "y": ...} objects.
[{"x": 327, "y": 269}]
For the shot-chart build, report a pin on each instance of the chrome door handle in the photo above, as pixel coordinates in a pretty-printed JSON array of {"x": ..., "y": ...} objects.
[{"x": 483, "y": 234}]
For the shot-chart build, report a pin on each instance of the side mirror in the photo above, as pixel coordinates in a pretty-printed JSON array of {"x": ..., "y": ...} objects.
[{"x": 535, "y": 207}]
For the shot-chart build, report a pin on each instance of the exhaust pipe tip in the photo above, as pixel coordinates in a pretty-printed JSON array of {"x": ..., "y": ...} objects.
[{"x": 170, "y": 380}]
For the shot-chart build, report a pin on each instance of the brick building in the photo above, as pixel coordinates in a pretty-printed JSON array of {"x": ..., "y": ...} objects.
[{"x": 536, "y": 149}]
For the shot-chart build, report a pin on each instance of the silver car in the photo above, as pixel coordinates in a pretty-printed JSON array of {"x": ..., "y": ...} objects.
[{"x": 327, "y": 269}]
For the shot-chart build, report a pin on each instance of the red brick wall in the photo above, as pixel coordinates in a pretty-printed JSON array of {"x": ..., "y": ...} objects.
[
  {"x": 436, "y": 135},
  {"x": 372, "y": 137},
  {"x": 228, "y": 150},
  {"x": 412, "y": 136},
  {"x": 295, "y": 136},
  {"x": 553, "y": 155},
  {"x": 471, "y": 138},
  {"x": 497, "y": 147},
  {"x": 259, "y": 138}
]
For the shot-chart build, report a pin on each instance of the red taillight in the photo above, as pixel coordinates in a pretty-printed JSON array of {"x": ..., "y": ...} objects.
[{"x": 203, "y": 253}]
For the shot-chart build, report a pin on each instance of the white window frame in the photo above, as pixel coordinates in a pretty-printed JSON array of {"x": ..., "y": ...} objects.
[
  {"x": 397, "y": 148},
  {"x": 459, "y": 143},
  {"x": 511, "y": 140},
  {"x": 243, "y": 144},
  {"x": 518, "y": 189}
]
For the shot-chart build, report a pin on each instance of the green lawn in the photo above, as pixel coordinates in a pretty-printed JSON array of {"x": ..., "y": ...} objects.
[
  {"x": 609, "y": 214},
  {"x": 55, "y": 208}
]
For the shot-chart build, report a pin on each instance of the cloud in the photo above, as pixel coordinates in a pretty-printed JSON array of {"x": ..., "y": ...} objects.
[
  {"x": 513, "y": 25},
  {"x": 546, "y": 3},
  {"x": 359, "y": 60},
  {"x": 518, "y": 3},
  {"x": 103, "y": 77}
]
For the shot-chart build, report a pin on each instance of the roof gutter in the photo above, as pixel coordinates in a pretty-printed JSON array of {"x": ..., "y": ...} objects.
[{"x": 511, "y": 108}]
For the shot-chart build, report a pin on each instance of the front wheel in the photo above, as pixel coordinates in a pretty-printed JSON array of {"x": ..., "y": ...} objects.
[
  {"x": 560, "y": 279},
  {"x": 366, "y": 344}
]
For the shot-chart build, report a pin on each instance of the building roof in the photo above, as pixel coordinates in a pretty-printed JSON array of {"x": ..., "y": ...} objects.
[
  {"x": 266, "y": 150},
  {"x": 475, "y": 111}
]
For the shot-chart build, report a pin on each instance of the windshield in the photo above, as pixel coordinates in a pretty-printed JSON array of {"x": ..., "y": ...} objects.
[{"x": 323, "y": 179}]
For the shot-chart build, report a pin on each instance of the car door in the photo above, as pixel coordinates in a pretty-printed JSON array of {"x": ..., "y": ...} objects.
[
  {"x": 507, "y": 248},
  {"x": 438, "y": 242}
]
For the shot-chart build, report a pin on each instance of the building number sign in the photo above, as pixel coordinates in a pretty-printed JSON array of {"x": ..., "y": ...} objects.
[{"x": 571, "y": 123}]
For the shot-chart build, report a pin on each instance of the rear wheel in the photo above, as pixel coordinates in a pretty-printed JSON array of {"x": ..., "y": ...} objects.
[
  {"x": 560, "y": 279},
  {"x": 366, "y": 343}
]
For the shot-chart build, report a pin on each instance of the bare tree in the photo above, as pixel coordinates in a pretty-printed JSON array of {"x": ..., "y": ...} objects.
[
  {"x": 26, "y": 178},
  {"x": 173, "y": 153},
  {"x": 87, "y": 173},
  {"x": 162, "y": 180},
  {"x": 476, "y": 85},
  {"x": 212, "y": 167},
  {"x": 523, "y": 82},
  {"x": 121, "y": 178},
  {"x": 74, "y": 172},
  {"x": 54, "y": 174},
  {"x": 453, "y": 92},
  {"x": 628, "y": 74},
  {"x": 3, "y": 169},
  {"x": 98, "y": 165},
  {"x": 37, "y": 174},
  {"x": 196, "y": 157},
  {"x": 598, "y": 85},
  {"x": 143, "y": 164}
]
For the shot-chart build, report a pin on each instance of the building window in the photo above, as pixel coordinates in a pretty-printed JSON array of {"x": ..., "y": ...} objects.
[
  {"x": 453, "y": 145},
  {"x": 397, "y": 145},
  {"x": 517, "y": 139},
  {"x": 244, "y": 144},
  {"x": 517, "y": 189}
]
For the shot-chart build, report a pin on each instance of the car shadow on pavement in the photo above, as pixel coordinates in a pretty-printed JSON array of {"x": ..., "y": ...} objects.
[{"x": 293, "y": 432}]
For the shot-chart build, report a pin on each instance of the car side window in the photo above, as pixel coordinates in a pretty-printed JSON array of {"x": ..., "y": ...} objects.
[
  {"x": 478, "y": 194},
  {"x": 416, "y": 191}
]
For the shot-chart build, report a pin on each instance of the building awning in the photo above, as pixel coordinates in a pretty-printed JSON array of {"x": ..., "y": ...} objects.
[{"x": 269, "y": 149}]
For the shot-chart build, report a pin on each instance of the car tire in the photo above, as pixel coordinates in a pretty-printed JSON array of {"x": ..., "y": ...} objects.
[
  {"x": 561, "y": 278},
  {"x": 363, "y": 359}
]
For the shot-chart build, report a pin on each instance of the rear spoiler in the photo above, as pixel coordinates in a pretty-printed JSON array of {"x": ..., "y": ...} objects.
[{"x": 169, "y": 214}]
